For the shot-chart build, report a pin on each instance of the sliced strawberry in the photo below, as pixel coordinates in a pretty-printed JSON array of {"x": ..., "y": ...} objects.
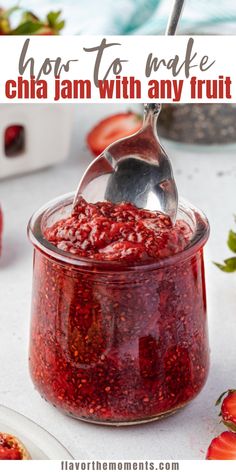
[
  {"x": 223, "y": 447},
  {"x": 112, "y": 128},
  {"x": 11, "y": 448},
  {"x": 14, "y": 140},
  {"x": 12, "y": 133},
  {"x": 228, "y": 410}
]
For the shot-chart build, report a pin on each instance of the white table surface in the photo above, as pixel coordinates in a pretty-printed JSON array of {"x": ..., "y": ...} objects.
[{"x": 209, "y": 181}]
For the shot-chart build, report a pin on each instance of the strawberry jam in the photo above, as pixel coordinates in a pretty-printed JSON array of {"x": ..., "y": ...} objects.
[
  {"x": 119, "y": 332},
  {"x": 118, "y": 233}
]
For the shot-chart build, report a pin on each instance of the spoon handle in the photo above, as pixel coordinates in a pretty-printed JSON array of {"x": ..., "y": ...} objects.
[
  {"x": 155, "y": 108},
  {"x": 171, "y": 28},
  {"x": 151, "y": 112},
  {"x": 174, "y": 17}
]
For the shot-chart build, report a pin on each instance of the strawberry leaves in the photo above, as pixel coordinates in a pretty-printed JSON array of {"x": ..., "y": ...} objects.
[
  {"x": 30, "y": 23},
  {"x": 232, "y": 241},
  {"x": 219, "y": 400},
  {"x": 229, "y": 264},
  {"x": 29, "y": 27},
  {"x": 54, "y": 21}
]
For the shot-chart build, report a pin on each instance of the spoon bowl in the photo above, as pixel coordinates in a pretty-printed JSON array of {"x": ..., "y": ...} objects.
[{"x": 135, "y": 169}]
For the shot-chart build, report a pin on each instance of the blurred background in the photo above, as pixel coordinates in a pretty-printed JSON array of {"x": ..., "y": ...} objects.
[{"x": 136, "y": 16}]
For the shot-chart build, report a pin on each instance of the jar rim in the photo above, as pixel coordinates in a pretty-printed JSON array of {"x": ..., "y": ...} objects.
[{"x": 36, "y": 237}]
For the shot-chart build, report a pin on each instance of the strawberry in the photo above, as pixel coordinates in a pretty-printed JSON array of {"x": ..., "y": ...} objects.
[
  {"x": 112, "y": 128},
  {"x": 11, "y": 448},
  {"x": 12, "y": 133},
  {"x": 228, "y": 409},
  {"x": 14, "y": 139},
  {"x": 223, "y": 447},
  {"x": 30, "y": 23}
]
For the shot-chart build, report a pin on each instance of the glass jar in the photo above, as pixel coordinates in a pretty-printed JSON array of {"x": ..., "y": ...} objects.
[
  {"x": 200, "y": 125},
  {"x": 112, "y": 343}
]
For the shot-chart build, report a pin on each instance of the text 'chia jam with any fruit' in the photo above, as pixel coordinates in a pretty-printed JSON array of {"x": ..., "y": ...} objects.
[{"x": 119, "y": 330}]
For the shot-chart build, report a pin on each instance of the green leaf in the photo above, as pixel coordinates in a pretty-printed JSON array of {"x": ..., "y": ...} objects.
[
  {"x": 52, "y": 17},
  {"x": 230, "y": 425},
  {"x": 60, "y": 25},
  {"x": 54, "y": 21},
  {"x": 221, "y": 397},
  {"x": 29, "y": 16},
  {"x": 30, "y": 23},
  {"x": 228, "y": 266},
  {"x": 232, "y": 241},
  {"x": 26, "y": 28}
]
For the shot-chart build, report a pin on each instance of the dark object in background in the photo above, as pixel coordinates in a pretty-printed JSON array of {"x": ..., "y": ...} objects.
[
  {"x": 198, "y": 123},
  {"x": 1, "y": 228},
  {"x": 14, "y": 140}
]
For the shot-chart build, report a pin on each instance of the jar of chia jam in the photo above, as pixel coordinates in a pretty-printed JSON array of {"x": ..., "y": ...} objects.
[{"x": 119, "y": 328}]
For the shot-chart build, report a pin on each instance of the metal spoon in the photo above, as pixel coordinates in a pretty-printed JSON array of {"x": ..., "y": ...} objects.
[{"x": 135, "y": 169}]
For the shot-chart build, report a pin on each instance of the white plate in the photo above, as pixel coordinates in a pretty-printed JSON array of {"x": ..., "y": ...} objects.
[{"x": 40, "y": 444}]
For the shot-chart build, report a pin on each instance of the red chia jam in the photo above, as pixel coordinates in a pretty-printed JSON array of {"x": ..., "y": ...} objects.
[{"x": 119, "y": 329}]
